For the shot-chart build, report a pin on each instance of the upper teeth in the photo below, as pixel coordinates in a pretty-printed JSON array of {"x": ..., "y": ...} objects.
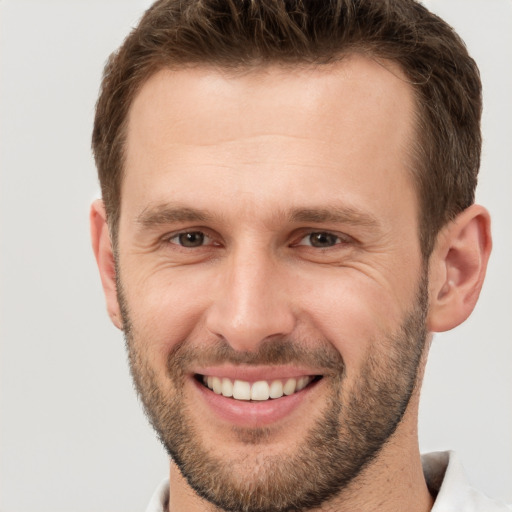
[{"x": 260, "y": 390}]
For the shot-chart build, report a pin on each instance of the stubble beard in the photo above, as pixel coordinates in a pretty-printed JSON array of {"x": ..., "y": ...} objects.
[{"x": 343, "y": 441}]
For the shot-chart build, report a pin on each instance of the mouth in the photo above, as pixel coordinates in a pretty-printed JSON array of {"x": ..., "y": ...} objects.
[{"x": 257, "y": 391}]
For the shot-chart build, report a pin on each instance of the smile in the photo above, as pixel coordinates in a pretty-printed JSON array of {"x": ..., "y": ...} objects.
[{"x": 260, "y": 390}]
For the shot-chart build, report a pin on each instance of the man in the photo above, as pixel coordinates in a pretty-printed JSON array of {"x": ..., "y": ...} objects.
[{"x": 287, "y": 216}]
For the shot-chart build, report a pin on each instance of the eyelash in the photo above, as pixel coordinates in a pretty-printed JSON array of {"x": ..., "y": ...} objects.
[
  {"x": 338, "y": 239},
  {"x": 335, "y": 238},
  {"x": 190, "y": 232}
]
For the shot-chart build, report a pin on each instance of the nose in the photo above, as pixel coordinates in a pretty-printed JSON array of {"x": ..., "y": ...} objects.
[{"x": 252, "y": 302}]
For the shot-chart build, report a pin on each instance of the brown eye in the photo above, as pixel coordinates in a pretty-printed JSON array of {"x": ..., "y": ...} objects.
[
  {"x": 322, "y": 239},
  {"x": 189, "y": 239}
]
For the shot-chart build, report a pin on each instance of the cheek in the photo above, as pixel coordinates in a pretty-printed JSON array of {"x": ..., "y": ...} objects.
[
  {"x": 353, "y": 314},
  {"x": 164, "y": 310}
]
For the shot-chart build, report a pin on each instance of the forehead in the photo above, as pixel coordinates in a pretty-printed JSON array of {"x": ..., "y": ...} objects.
[
  {"x": 357, "y": 86},
  {"x": 352, "y": 120}
]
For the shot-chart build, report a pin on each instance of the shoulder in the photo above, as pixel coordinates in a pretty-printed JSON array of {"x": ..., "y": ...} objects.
[{"x": 445, "y": 477}]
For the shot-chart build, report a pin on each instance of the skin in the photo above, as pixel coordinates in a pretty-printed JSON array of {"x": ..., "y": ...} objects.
[{"x": 247, "y": 151}]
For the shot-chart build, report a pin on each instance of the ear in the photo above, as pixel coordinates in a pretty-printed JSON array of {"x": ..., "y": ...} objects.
[
  {"x": 102, "y": 247},
  {"x": 457, "y": 268}
]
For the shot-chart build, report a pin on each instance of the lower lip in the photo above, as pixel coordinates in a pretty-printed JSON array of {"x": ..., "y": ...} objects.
[{"x": 246, "y": 413}]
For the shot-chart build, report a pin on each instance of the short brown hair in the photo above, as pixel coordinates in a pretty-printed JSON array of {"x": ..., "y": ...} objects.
[{"x": 247, "y": 33}]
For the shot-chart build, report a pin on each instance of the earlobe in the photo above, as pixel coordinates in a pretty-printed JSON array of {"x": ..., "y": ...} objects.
[
  {"x": 102, "y": 247},
  {"x": 457, "y": 268}
]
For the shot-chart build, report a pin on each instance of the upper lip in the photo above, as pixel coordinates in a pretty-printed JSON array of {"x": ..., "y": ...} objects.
[{"x": 256, "y": 373}]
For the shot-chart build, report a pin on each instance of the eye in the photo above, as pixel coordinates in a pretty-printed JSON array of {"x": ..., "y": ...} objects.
[
  {"x": 190, "y": 239},
  {"x": 321, "y": 240}
]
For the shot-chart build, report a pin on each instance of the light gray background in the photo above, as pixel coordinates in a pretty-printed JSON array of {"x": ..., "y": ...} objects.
[{"x": 73, "y": 437}]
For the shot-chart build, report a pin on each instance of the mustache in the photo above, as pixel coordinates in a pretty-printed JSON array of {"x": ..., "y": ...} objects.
[{"x": 272, "y": 352}]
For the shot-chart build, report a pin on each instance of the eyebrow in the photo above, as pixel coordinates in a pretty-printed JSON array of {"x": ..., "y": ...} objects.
[
  {"x": 336, "y": 215},
  {"x": 165, "y": 213},
  {"x": 161, "y": 214}
]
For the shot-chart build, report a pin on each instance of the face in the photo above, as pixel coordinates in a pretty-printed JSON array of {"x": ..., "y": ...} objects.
[{"x": 269, "y": 275}]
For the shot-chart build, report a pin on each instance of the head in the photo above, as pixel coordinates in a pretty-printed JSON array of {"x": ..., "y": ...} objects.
[
  {"x": 287, "y": 215},
  {"x": 245, "y": 35}
]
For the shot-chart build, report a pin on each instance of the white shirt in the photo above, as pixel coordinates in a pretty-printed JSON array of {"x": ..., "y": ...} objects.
[{"x": 445, "y": 478}]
